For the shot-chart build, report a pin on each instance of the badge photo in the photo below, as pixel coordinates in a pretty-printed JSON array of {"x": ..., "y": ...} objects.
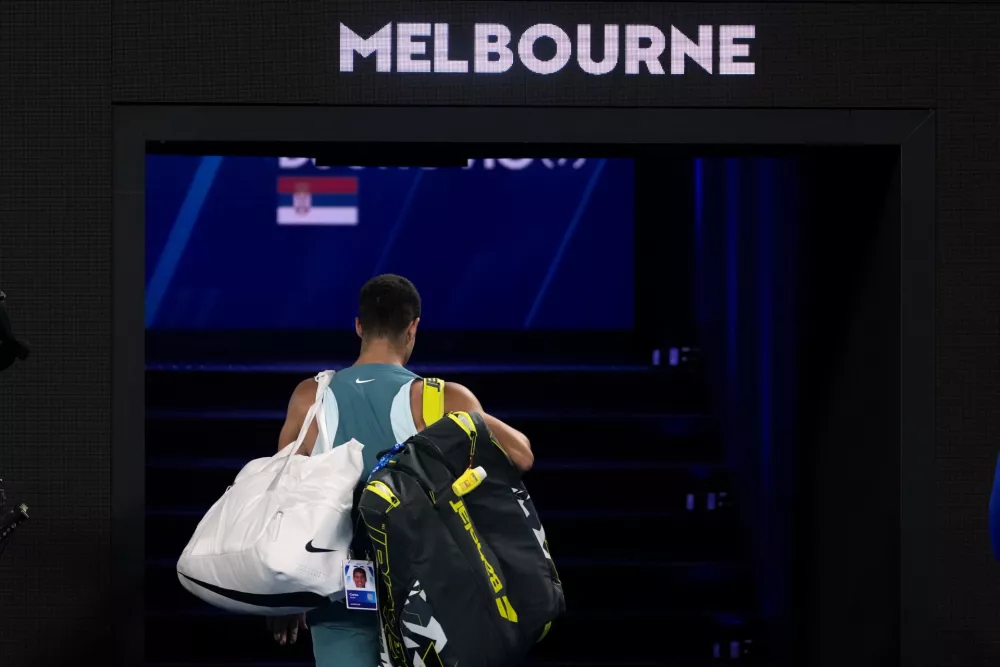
[{"x": 359, "y": 585}]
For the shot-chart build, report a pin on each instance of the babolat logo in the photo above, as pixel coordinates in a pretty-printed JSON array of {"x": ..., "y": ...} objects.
[
  {"x": 546, "y": 48},
  {"x": 462, "y": 512},
  {"x": 379, "y": 542},
  {"x": 504, "y": 607}
]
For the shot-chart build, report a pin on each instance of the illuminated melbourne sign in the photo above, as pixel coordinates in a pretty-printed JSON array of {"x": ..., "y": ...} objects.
[{"x": 634, "y": 49}]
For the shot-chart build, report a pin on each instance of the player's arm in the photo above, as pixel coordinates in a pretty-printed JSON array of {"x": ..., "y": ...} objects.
[
  {"x": 516, "y": 444},
  {"x": 302, "y": 399}
]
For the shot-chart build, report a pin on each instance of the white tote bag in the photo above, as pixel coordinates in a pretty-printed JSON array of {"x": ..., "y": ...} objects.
[{"x": 275, "y": 542}]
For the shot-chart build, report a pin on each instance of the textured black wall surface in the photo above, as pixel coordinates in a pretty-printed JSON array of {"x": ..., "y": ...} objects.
[
  {"x": 55, "y": 263},
  {"x": 63, "y": 64}
]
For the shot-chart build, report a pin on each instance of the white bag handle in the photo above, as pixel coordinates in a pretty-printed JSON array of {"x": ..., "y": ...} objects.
[
  {"x": 322, "y": 382},
  {"x": 323, "y": 439}
]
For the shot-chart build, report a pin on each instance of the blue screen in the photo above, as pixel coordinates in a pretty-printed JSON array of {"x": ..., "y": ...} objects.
[{"x": 280, "y": 243}]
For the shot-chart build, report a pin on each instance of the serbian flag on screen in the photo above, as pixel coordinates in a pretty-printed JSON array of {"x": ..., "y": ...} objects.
[{"x": 317, "y": 200}]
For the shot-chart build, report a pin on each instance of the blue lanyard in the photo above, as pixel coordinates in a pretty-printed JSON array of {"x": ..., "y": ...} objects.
[{"x": 384, "y": 461}]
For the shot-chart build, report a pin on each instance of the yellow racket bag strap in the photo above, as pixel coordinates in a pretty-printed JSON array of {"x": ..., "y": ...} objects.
[{"x": 433, "y": 408}]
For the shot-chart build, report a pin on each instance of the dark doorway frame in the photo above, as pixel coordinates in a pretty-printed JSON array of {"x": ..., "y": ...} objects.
[{"x": 913, "y": 131}]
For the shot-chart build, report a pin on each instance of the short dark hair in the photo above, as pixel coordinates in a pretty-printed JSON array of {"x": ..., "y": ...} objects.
[
  {"x": 361, "y": 570},
  {"x": 388, "y": 304}
]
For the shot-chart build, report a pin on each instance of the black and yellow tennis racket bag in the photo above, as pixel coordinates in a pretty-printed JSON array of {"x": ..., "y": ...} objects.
[{"x": 466, "y": 574}]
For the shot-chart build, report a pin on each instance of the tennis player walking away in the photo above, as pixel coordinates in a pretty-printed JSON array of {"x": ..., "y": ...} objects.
[{"x": 379, "y": 403}]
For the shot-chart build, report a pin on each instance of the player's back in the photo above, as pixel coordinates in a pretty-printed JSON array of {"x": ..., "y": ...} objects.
[{"x": 371, "y": 404}]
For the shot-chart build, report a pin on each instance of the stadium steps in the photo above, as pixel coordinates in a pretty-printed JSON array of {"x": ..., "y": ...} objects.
[
  {"x": 590, "y": 638},
  {"x": 630, "y": 488},
  {"x": 616, "y": 389},
  {"x": 576, "y": 436}
]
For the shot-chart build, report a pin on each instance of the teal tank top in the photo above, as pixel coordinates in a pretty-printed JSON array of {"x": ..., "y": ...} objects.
[{"x": 371, "y": 404}]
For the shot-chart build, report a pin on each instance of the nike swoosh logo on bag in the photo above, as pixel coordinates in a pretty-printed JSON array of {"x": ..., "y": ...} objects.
[
  {"x": 316, "y": 550},
  {"x": 360, "y": 381}
]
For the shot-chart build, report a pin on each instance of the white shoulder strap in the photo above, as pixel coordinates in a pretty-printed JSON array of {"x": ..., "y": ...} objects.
[
  {"x": 322, "y": 382},
  {"x": 323, "y": 440}
]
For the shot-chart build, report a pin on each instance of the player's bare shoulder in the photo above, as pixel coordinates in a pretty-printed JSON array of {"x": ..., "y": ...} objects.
[
  {"x": 417, "y": 403},
  {"x": 304, "y": 394},
  {"x": 456, "y": 397},
  {"x": 298, "y": 407},
  {"x": 460, "y": 397}
]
